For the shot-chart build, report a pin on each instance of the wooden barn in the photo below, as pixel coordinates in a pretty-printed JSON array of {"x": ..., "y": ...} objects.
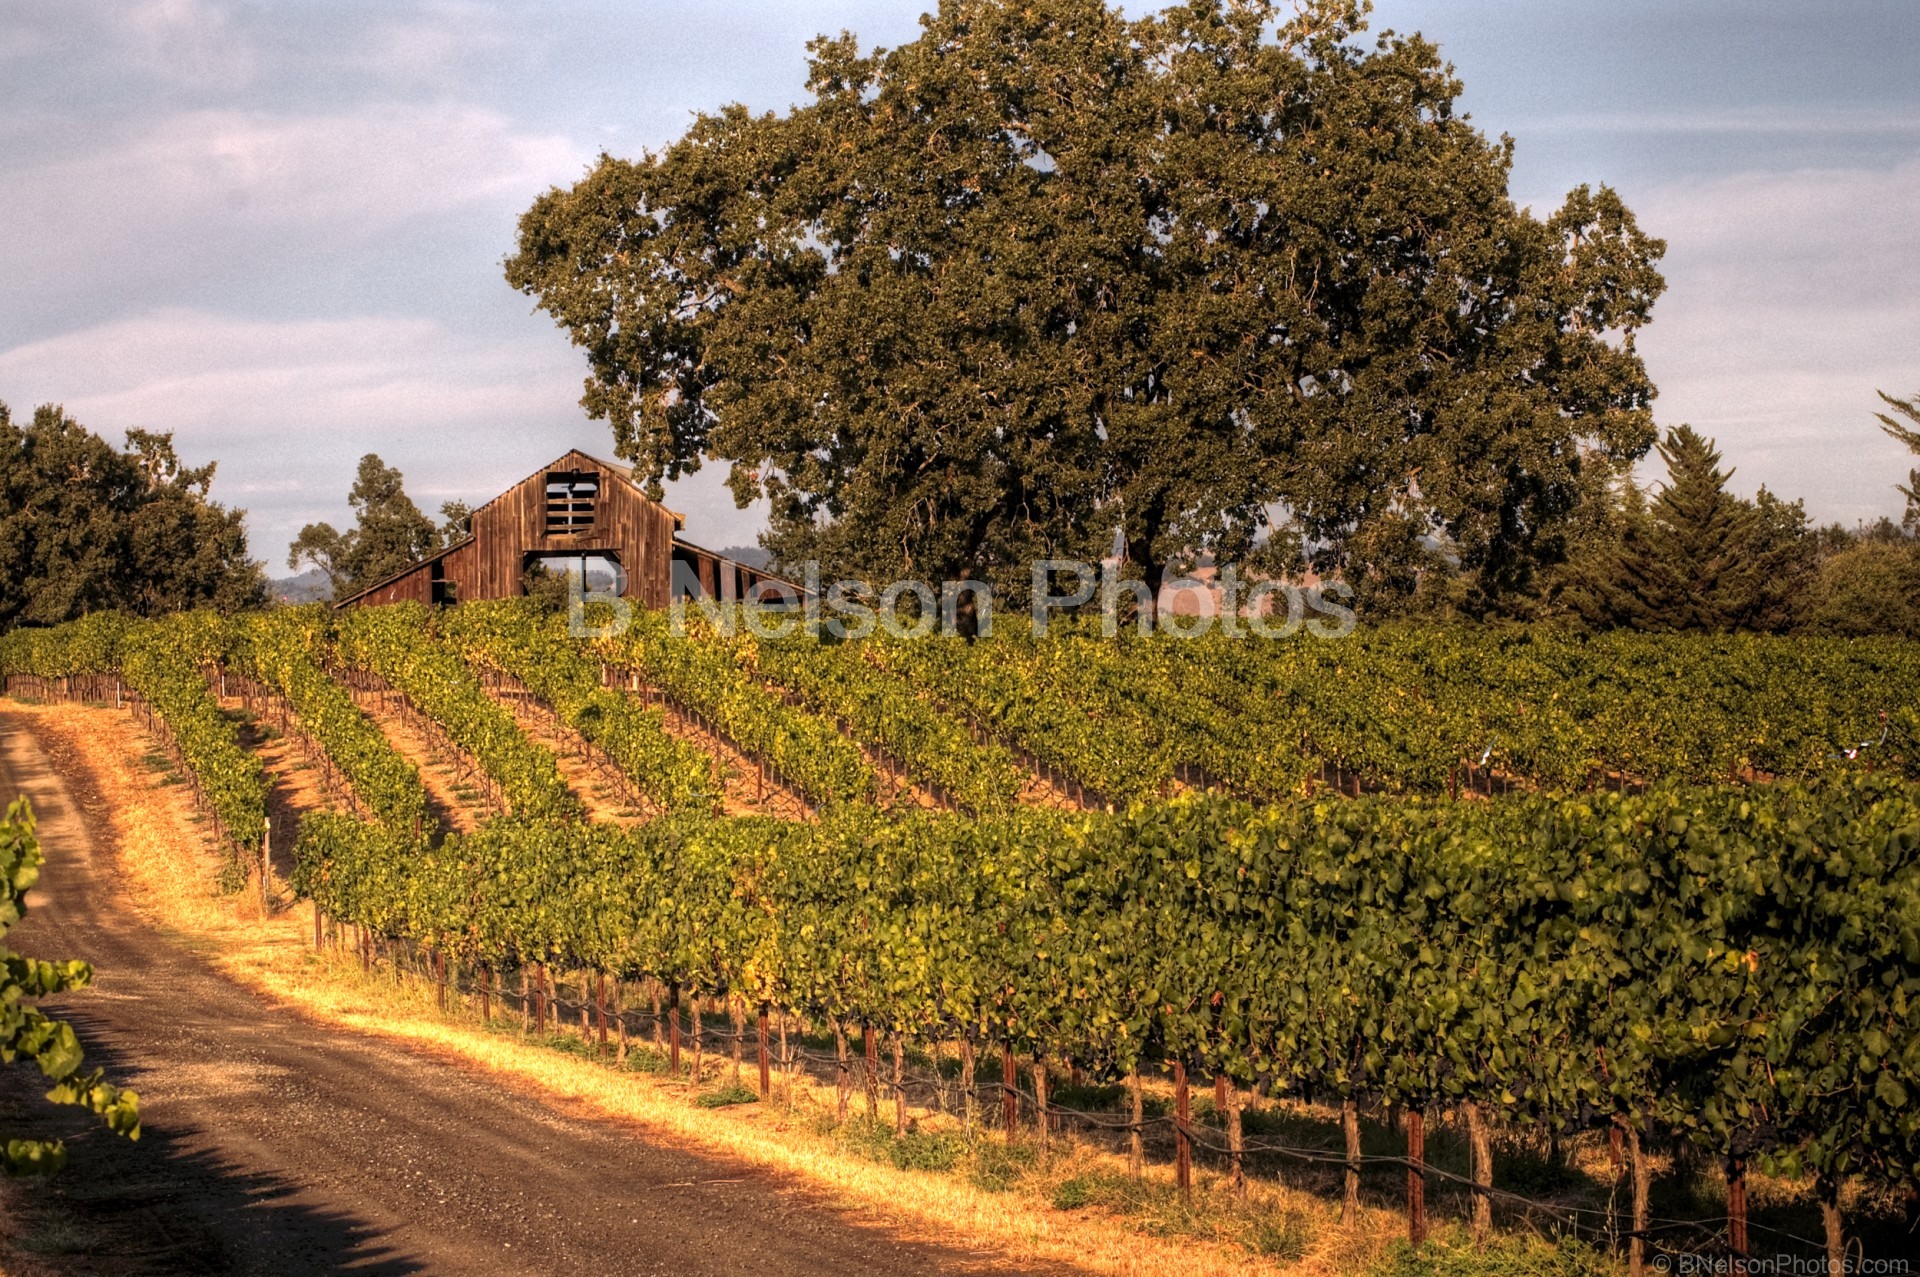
[{"x": 579, "y": 514}]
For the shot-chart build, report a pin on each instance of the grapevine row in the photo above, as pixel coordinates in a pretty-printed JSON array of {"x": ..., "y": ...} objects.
[
  {"x": 285, "y": 650},
  {"x": 1728, "y": 963},
  {"x": 518, "y": 639},
  {"x": 397, "y": 644},
  {"x": 807, "y": 750},
  {"x": 883, "y": 711}
]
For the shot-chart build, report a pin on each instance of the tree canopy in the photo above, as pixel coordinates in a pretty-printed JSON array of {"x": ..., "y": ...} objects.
[
  {"x": 84, "y": 527},
  {"x": 1218, "y": 279},
  {"x": 389, "y": 532}
]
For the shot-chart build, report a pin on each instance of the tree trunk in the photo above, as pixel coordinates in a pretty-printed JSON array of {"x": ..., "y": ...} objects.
[
  {"x": 1350, "y": 1128},
  {"x": 1481, "y": 1150}
]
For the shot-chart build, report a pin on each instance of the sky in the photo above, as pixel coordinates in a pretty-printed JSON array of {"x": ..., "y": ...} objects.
[{"x": 277, "y": 231}]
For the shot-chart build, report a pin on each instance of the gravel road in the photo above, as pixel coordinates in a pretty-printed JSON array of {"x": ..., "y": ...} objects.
[{"x": 275, "y": 1145}]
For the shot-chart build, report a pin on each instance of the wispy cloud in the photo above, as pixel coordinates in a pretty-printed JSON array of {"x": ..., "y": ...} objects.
[
  {"x": 1793, "y": 297},
  {"x": 289, "y": 407}
]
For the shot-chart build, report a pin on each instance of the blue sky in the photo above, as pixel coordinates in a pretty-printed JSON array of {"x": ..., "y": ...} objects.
[{"x": 277, "y": 230}]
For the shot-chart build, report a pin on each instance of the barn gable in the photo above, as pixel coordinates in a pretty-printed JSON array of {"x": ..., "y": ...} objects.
[{"x": 576, "y": 509}]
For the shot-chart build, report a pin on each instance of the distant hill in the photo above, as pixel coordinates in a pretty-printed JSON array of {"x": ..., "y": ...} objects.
[
  {"x": 309, "y": 587},
  {"x": 751, "y": 555}
]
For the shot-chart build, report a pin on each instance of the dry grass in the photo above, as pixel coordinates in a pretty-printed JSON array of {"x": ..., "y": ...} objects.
[{"x": 1104, "y": 1229}]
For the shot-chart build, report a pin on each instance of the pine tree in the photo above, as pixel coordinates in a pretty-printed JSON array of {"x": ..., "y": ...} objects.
[
  {"x": 1909, "y": 435},
  {"x": 1700, "y": 558}
]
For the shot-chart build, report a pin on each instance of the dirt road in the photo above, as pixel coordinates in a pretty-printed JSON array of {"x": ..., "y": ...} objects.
[{"x": 276, "y": 1145}]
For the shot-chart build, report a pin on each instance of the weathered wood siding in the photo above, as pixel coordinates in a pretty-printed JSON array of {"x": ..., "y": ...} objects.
[{"x": 619, "y": 522}]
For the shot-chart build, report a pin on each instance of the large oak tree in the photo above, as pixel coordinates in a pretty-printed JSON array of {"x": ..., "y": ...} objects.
[
  {"x": 1219, "y": 277},
  {"x": 86, "y": 526}
]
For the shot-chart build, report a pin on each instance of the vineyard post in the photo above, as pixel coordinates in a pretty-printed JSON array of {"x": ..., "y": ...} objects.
[
  {"x": 1642, "y": 1185},
  {"x": 1350, "y": 1129},
  {"x": 739, "y": 1017},
  {"x": 266, "y": 864},
  {"x": 673, "y": 1028},
  {"x": 843, "y": 1082},
  {"x": 526, "y": 1002},
  {"x": 1136, "y": 1151},
  {"x": 699, "y": 1039},
  {"x": 870, "y": 1064},
  {"x": 1416, "y": 1174},
  {"x": 439, "y": 961},
  {"x": 1040, "y": 1123},
  {"x": 1480, "y": 1150},
  {"x": 485, "y": 983},
  {"x": 760, "y": 1040},
  {"x": 600, "y": 1012},
  {"x": 900, "y": 1085},
  {"x": 966, "y": 1084},
  {"x": 1236, "y": 1139},
  {"x": 319, "y": 928},
  {"x": 1009, "y": 1091},
  {"x": 620, "y": 1022},
  {"x": 1182, "y": 1132},
  {"x": 1827, "y": 1189},
  {"x": 1737, "y": 1211}
]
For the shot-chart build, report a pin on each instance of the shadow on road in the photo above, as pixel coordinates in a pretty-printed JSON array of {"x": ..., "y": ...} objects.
[{"x": 162, "y": 1205}]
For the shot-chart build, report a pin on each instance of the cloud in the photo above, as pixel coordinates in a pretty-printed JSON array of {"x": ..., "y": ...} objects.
[
  {"x": 199, "y": 195},
  {"x": 288, "y": 408},
  {"x": 1792, "y": 298}
]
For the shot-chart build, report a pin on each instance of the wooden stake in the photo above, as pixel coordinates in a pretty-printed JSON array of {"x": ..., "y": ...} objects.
[
  {"x": 1009, "y": 1091},
  {"x": 1416, "y": 1175},
  {"x": 1350, "y": 1128},
  {"x": 1136, "y": 1151},
  {"x": 845, "y": 1079},
  {"x": 760, "y": 1040},
  {"x": 1480, "y": 1160},
  {"x": 870, "y": 1081},
  {"x": 1737, "y": 1211},
  {"x": 1828, "y": 1191},
  {"x": 1642, "y": 1184},
  {"x": 899, "y": 1085},
  {"x": 673, "y": 1028},
  {"x": 1236, "y": 1140},
  {"x": 1041, "y": 1124},
  {"x": 1182, "y": 1139}
]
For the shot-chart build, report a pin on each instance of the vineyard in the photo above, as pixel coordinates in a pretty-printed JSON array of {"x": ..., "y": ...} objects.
[{"x": 1665, "y": 887}]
